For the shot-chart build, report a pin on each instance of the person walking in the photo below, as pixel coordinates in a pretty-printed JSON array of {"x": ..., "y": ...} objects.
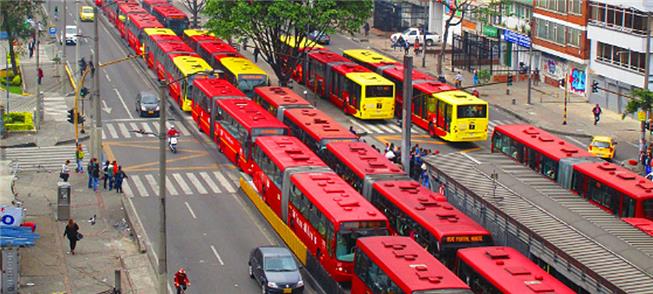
[
  {"x": 65, "y": 171},
  {"x": 95, "y": 174},
  {"x": 30, "y": 47},
  {"x": 82, "y": 65},
  {"x": 106, "y": 174},
  {"x": 351, "y": 130},
  {"x": 89, "y": 172},
  {"x": 597, "y": 113},
  {"x": 92, "y": 68},
  {"x": 79, "y": 156},
  {"x": 256, "y": 53},
  {"x": 73, "y": 234},
  {"x": 459, "y": 80},
  {"x": 416, "y": 47},
  {"x": 536, "y": 77},
  {"x": 366, "y": 29},
  {"x": 406, "y": 47},
  {"x": 39, "y": 73},
  {"x": 113, "y": 171},
  {"x": 120, "y": 177},
  {"x": 476, "y": 81}
]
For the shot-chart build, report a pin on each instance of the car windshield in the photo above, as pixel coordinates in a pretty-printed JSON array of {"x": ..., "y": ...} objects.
[
  {"x": 406, "y": 32},
  {"x": 346, "y": 237},
  {"x": 87, "y": 10},
  {"x": 71, "y": 31},
  {"x": 281, "y": 263},
  {"x": 600, "y": 144},
  {"x": 149, "y": 99}
]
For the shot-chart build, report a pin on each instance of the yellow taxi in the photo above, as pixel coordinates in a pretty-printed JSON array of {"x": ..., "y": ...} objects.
[
  {"x": 86, "y": 13},
  {"x": 602, "y": 146}
]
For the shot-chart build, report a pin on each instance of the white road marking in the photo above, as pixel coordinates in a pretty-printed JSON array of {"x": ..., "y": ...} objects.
[
  {"x": 471, "y": 158},
  {"x": 92, "y": 51},
  {"x": 134, "y": 127},
  {"x": 386, "y": 128},
  {"x": 209, "y": 181},
  {"x": 360, "y": 126},
  {"x": 112, "y": 131},
  {"x": 575, "y": 141},
  {"x": 184, "y": 187},
  {"x": 196, "y": 182},
  {"x": 217, "y": 255},
  {"x": 374, "y": 128},
  {"x": 171, "y": 188},
  {"x": 123, "y": 103},
  {"x": 152, "y": 181},
  {"x": 224, "y": 182},
  {"x": 125, "y": 132},
  {"x": 139, "y": 186},
  {"x": 107, "y": 76},
  {"x": 146, "y": 127},
  {"x": 104, "y": 136},
  {"x": 396, "y": 128},
  {"x": 156, "y": 127},
  {"x": 127, "y": 190},
  {"x": 190, "y": 210}
]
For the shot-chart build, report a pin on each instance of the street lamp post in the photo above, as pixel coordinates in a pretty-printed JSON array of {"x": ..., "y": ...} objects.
[
  {"x": 63, "y": 50},
  {"x": 96, "y": 134}
]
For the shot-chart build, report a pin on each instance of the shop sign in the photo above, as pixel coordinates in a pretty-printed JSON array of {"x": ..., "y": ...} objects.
[
  {"x": 490, "y": 31},
  {"x": 519, "y": 39},
  {"x": 469, "y": 25}
]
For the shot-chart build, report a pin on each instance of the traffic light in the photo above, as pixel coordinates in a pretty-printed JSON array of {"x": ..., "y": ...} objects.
[
  {"x": 510, "y": 80},
  {"x": 83, "y": 92},
  {"x": 71, "y": 116},
  {"x": 595, "y": 87}
]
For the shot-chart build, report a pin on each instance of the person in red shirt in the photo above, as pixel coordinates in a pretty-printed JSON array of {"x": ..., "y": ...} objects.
[
  {"x": 172, "y": 132},
  {"x": 181, "y": 280}
]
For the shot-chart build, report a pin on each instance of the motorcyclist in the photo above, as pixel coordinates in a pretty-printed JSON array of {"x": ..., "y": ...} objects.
[
  {"x": 172, "y": 132},
  {"x": 181, "y": 280}
]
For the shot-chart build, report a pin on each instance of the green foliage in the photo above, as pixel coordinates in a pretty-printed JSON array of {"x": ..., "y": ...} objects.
[
  {"x": 19, "y": 121},
  {"x": 265, "y": 22},
  {"x": 643, "y": 99},
  {"x": 13, "y": 17},
  {"x": 484, "y": 76},
  {"x": 16, "y": 81}
]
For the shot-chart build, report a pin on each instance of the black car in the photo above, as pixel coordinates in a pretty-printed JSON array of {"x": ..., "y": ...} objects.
[
  {"x": 275, "y": 269},
  {"x": 147, "y": 104}
]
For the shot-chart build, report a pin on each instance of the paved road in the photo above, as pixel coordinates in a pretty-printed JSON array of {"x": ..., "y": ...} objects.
[{"x": 211, "y": 227}]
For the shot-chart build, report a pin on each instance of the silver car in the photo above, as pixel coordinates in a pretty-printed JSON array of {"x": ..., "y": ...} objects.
[{"x": 147, "y": 104}]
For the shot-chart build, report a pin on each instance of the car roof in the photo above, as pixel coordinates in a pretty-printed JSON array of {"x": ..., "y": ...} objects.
[
  {"x": 274, "y": 250},
  {"x": 601, "y": 138}
]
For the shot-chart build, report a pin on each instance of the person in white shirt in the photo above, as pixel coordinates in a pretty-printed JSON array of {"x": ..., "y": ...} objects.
[
  {"x": 390, "y": 155},
  {"x": 65, "y": 171}
]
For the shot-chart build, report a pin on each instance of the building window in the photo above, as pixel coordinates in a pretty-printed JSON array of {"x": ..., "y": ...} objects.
[
  {"x": 620, "y": 57},
  {"x": 575, "y": 7},
  {"x": 573, "y": 37},
  {"x": 553, "y": 5},
  {"x": 628, "y": 20},
  {"x": 552, "y": 32}
]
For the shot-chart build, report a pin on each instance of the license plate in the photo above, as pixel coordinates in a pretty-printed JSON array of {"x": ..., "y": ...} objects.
[
  {"x": 150, "y": 112},
  {"x": 287, "y": 290}
]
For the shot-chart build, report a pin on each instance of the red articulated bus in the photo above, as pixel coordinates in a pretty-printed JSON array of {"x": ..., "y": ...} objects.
[
  {"x": 275, "y": 159},
  {"x": 390, "y": 264},
  {"x": 150, "y": 4},
  {"x": 646, "y": 225},
  {"x": 360, "y": 165},
  {"x": 135, "y": 26},
  {"x": 504, "y": 270},
  {"x": 164, "y": 55},
  {"x": 329, "y": 216},
  {"x": 204, "y": 94},
  {"x": 318, "y": 60},
  {"x": 423, "y": 215},
  {"x": 194, "y": 37},
  {"x": 277, "y": 99},
  {"x": 395, "y": 73},
  {"x": 110, "y": 8},
  {"x": 315, "y": 128},
  {"x": 172, "y": 17},
  {"x": 237, "y": 125},
  {"x": 151, "y": 42},
  {"x": 215, "y": 49},
  {"x": 122, "y": 16}
]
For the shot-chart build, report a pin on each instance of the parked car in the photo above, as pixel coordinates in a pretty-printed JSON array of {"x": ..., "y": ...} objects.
[
  {"x": 274, "y": 268},
  {"x": 323, "y": 39},
  {"x": 147, "y": 104},
  {"x": 86, "y": 13},
  {"x": 70, "y": 35},
  {"x": 411, "y": 34},
  {"x": 602, "y": 146}
]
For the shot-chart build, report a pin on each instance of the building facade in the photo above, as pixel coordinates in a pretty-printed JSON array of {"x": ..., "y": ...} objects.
[{"x": 618, "y": 61}]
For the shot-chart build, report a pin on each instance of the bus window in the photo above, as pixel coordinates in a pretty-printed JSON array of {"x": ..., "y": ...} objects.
[
  {"x": 472, "y": 111},
  {"x": 354, "y": 94},
  {"x": 418, "y": 101},
  {"x": 627, "y": 206},
  {"x": 447, "y": 117},
  {"x": 647, "y": 206},
  {"x": 378, "y": 91},
  {"x": 602, "y": 195},
  {"x": 549, "y": 167}
]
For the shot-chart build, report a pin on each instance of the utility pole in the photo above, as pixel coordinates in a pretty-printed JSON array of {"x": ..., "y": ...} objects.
[
  {"x": 39, "y": 102},
  {"x": 62, "y": 32},
  {"x": 530, "y": 64},
  {"x": 406, "y": 114},
  {"x": 97, "y": 131},
  {"x": 566, "y": 81},
  {"x": 163, "y": 262},
  {"x": 78, "y": 71},
  {"x": 647, "y": 72}
]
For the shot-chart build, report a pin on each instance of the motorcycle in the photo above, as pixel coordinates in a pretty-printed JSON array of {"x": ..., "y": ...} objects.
[{"x": 172, "y": 144}]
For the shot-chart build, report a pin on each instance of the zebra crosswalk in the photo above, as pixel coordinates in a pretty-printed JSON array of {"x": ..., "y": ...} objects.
[
  {"x": 128, "y": 128},
  {"x": 43, "y": 158},
  {"x": 494, "y": 123},
  {"x": 55, "y": 108},
  {"x": 202, "y": 183},
  {"x": 383, "y": 128}
]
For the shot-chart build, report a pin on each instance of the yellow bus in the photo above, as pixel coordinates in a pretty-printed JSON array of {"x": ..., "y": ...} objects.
[
  {"x": 148, "y": 34},
  {"x": 183, "y": 67},
  {"x": 369, "y": 58},
  {"x": 244, "y": 74},
  {"x": 192, "y": 37},
  {"x": 291, "y": 41},
  {"x": 371, "y": 96}
]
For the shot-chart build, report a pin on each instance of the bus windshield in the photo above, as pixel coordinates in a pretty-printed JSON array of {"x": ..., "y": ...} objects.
[
  {"x": 472, "y": 111},
  {"x": 249, "y": 82},
  {"x": 350, "y": 232},
  {"x": 378, "y": 91}
]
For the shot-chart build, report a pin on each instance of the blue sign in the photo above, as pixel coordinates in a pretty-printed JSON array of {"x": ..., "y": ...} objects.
[
  {"x": 3, "y": 35},
  {"x": 521, "y": 40},
  {"x": 52, "y": 31}
]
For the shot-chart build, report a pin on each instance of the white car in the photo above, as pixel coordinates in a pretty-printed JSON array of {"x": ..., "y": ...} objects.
[
  {"x": 411, "y": 34},
  {"x": 70, "y": 35}
]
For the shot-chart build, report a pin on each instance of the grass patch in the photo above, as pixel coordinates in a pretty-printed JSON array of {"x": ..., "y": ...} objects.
[
  {"x": 13, "y": 89},
  {"x": 19, "y": 121}
]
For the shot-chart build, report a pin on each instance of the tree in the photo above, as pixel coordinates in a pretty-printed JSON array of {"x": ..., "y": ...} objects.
[
  {"x": 195, "y": 7},
  {"x": 453, "y": 6},
  {"x": 265, "y": 23},
  {"x": 13, "y": 20},
  {"x": 642, "y": 100}
]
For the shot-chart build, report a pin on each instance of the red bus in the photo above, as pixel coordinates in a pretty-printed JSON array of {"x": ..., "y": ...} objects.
[
  {"x": 149, "y": 4},
  {"x": 390, "y": 264},
  {"x": 164, "y": 54},
  {"x": 135, "y": 26},
  {"x": 151, "y": 42},
  {"x": 504, "y": 270},
  {"x": 110, "y": 8},
  {"x": 123, "y": 12},
  {"x": 421, "y": 214},
  {"x": 194, "y": 37},
  {"x": 277, "y": 99},
  {"x": 329, "y": 216},
  {"x": 315, "y": 128},
  {"x": 237, "y": 124},
  {"x": 171, "y": 17},
  {"x": 395, "y": 73},
  {"x": 360, "y": 165},
  {"x": 204, "y": 93},
  {"x": 646, "y": 225},
  {"x": 275, "y": 159},
  {"x": 212, "y": 50}
]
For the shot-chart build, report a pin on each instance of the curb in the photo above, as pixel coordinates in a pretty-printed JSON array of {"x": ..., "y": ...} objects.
[
  {"x": 135, "y": 224},
  {"x": 20, "y": 145},
  {"x": 64, "y": 142},
  {"x": 529, "y": 121}
]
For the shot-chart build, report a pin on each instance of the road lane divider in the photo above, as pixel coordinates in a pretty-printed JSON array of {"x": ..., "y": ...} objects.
[
  {"x": 192, "y": 213},
  {"x": 287, "y": 235},
  {"x": 215, "y": 252},
  {"x": 123, "y": 103}
]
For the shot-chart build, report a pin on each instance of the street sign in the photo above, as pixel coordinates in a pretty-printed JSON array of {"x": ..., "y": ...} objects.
[
  {"x": 512, "y": 37},
  {"x": 641, "y": 115},
  {"x": 52, "y": 31},
  {"x": 10, "y": 216}
]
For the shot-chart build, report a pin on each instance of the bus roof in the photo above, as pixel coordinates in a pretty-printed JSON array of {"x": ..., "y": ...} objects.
[
  {"x": 130, "y": 7},
  {"x": 222, "y": 48},
  {"x": 408, "y": 265},
  {"x": 350, "y": 67},
  {"x": 618, "y": 178},
  {"x": 196, "y": 32},
  {"x": 326, "y": 56},
  {"x": 510, "y": 271},
  {"x": 646, "y": 225},
  {"x": 145, "y": 20},
  {"x": 542, "y": 141},
  {"x": 363, "y": 159},
  {"x": 458, "y": 97},
  {"x": 280, "y": 96},
  {"x": 159, "y": 31},
  {"x": 440, "y": 218},
  {"x": 175, "y": 46},
  {"x": 241, "y": 65},
  {"x": 318, "y": 124},
  {"x": 292, "y": 42},
  {"x": 191, "y": 64},
  {"x": 249, "y": 114},
  {"x": 214, "y": 87},
  {"x": 288, "y": 152},
  {"x": 336, "y": 199},
  {"x": 433, "y": 87},
  {"x": 369, "y": 56},
  {"x": 369, "y": 79},
  {"x": 164, "y": 38},
  {"x": 409, "y": 188},
  {"x": 169, "y": 11},
  {"x": 397, "y": 72},
  {"x": 155, "y": 2}
]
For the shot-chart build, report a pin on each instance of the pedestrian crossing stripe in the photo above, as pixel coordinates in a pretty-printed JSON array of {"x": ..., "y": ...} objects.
[
  {"x": 383, "y": 128},
  {"x": 202, "y": 183},
  {"x": 44, "y": 158},
  {"x": 128, "y": 129},
  {"x": 493, "y": 123},
  {"x": 55, "y": 108}
]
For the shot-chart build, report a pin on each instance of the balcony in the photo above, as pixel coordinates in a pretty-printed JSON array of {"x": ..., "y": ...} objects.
[{"x": 619, "y": 37}]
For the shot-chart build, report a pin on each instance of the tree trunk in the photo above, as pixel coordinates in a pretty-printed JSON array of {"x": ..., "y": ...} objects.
[
  {"x": 442, "y": 50},
  {"x": 12, "y": 56},
  {"x": 195, "y": 12}
]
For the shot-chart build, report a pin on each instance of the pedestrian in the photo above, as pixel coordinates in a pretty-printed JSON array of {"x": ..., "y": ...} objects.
[
  {"x": 475, "y": 77},
  {"x": 120, "y": 177},
  {"x": 113, "y": 171},
  {"x": 401, "y": 42},
  {"x": 89, "y": 170},
  {"x": 82, "y": 65},
  {"x": 459, "y": 80},
  {"x": 92, "y": 67},
  {"x": 390, "y": 155},
  {"x": 73, "y": 234},
  {"x": 416, "y": 47},
  {"x": 536, "y": 77},
  {"x": 387, "y": 147},
  {"x": 406, "y": 47},
  {"x": 597, "y": 113},
  {"x": 79, "y": 156},
  {"x": 30, "y": 46},
  {"x": 96, "y": 174},
  {"x": 476, "y": 93},
  {"x": 65, "y": 172},
  {"x": 442, "y": 78},
  {"x": 366, "y": 29},
  {"x": 39, "y": 72},
  {"x": 106, "y": 175},
  {"x": 256, "y": 53},
  {"x": 351, "y": 130}
]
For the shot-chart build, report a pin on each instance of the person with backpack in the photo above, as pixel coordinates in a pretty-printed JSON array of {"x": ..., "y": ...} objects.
[
  {"x": 95, "y": 174},
  {"x": 597, "y": 113},
  {"x": 120, "y": 177},
  {"x": 106, "y": 176}
]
